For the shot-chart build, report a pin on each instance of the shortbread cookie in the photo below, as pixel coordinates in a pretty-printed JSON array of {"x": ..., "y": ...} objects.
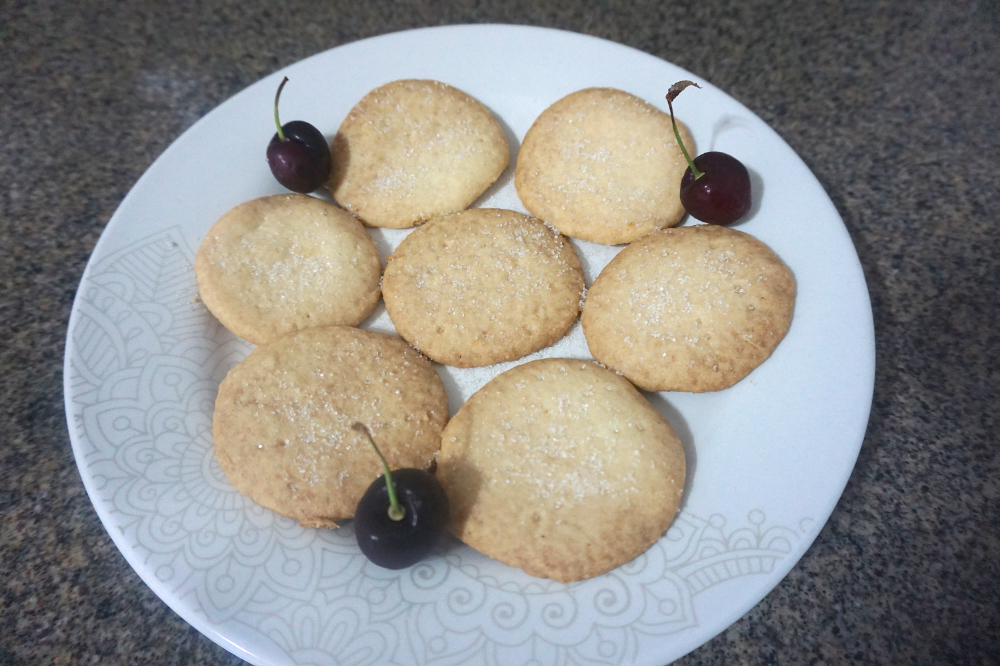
[
  {"x": 689, "y": 309},
  {"x": 286, "y": 262},
  {"x": 603, "y": 165},
  {"x": 561, "y": 468},
  {"x": 412, "y": 150},
  {"x": 283, "y": 418},
  {"x": 482, "y": 286}
]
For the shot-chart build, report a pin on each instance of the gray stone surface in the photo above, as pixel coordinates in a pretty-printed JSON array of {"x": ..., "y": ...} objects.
[{"x": 894, "y": 105}]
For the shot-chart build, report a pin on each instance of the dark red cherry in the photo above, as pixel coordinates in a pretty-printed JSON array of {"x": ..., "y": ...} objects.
[
  {"x": 722, "y": 194},
  {"x": 715, "y": 188},
  {"x": 401, "y": 516},
  {"x": 298, "y": 154},
  {"x": 397, "y": 544}
]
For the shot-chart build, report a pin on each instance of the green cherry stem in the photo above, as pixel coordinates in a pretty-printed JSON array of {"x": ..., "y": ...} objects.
[
  {"x": 672, "y": 94},
  {"x": 281, "y": 135},
  {"x": 396, "y": 510}
]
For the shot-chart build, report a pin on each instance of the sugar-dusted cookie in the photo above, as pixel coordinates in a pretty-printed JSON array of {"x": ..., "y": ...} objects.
[
  {"x": 283, "y": 418},
  {"x": 285, "y": 262},
  {"x": 412, "y": 150},
  {"x": 689, "y": 309},
  {"x": 560, "y": 467},
  {"x": 482, "y": 286},
  {"x": 602, "y": 165}
]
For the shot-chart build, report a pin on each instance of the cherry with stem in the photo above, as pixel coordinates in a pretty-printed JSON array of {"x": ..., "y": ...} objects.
[
  {"x": 401, "y": 516},
  {"x": 715, "y": 188},
  {"x": 298, "y": 154}
]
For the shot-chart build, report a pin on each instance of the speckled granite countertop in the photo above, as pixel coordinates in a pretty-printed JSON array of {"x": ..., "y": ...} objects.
[{"x": 892, "y": 104}]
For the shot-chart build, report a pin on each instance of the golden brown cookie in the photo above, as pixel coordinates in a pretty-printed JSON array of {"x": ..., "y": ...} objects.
[
  {"x": 412, "y": 150},
  {"x": 482, "y": 286},
  {"x": 560, "y": 467},
  {"x": 283, "y": 418},
  {"x": 689, "y": 309},
  {"x": 286, "y": 262},
  {"x": 602, "y": 165}
]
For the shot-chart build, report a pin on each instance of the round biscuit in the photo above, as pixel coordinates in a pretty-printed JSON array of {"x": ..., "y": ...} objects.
[
  {"x": 283, "y": 417},
  {"x": 412, "y": 150},
  {"x": 603, "y": 165},
  {"x": 689, "y": 309},
  {"x": 560, "y": 467},
  {"x": 482, "y": 286},
  {"x": 286, "y": 262}
]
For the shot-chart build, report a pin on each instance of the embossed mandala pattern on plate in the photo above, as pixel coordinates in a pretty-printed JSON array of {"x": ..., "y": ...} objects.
[{"x": 147, "y": 360}]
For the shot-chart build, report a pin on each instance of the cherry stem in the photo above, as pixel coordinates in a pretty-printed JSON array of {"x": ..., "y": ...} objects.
[
  {"x": 396, "y": 510},
  {"x": 674, "y": 91},
  {"x": 281, "y": 135}
]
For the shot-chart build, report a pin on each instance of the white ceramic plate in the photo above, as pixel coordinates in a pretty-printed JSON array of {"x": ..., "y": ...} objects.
[{"x": 768, "y": 458}]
